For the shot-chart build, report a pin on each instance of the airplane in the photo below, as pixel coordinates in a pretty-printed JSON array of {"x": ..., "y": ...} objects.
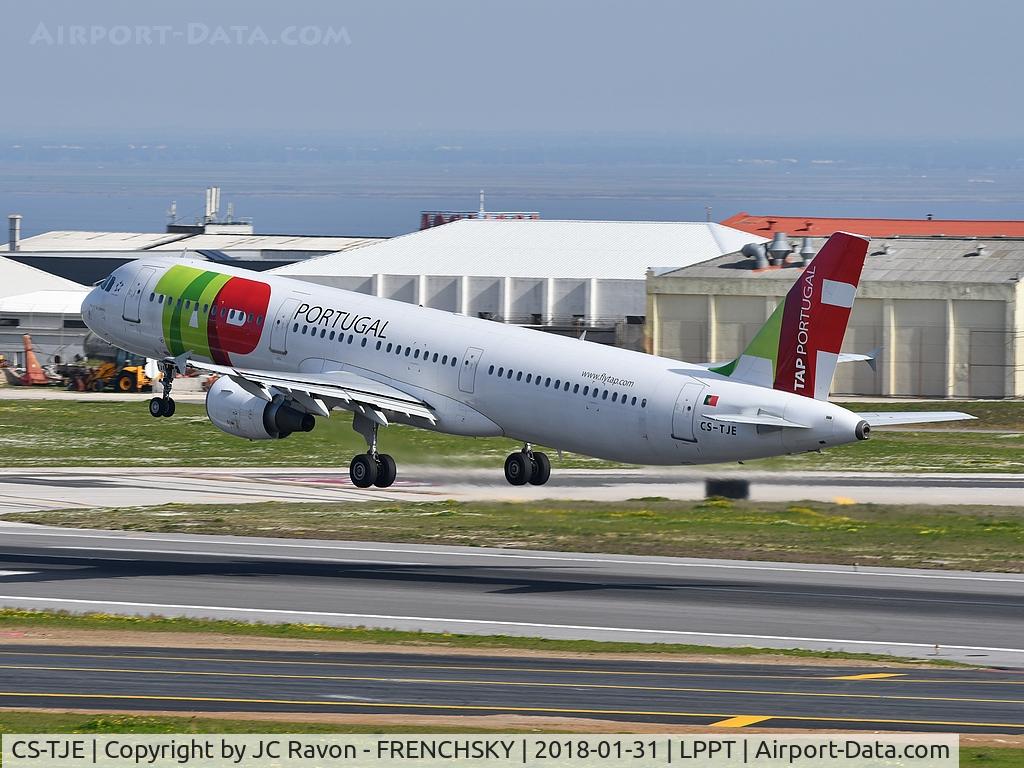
[{"x": 288, "y": 351}]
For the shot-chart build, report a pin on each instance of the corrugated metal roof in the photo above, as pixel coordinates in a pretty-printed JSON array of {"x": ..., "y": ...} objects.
[
  {"x": 266, "y": 243},
  {"x": 927, "y": 259},
  {"x": 50, "y": 302},
  {"x": 18, "y": 278},
  {"x": 70, "y": 240},
  {"x": 545, "y": 248},
  {"x": 810, "y": 226}
]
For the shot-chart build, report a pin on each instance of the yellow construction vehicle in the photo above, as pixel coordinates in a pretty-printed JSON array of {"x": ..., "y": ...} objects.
[{"x": 112, "y": 368}]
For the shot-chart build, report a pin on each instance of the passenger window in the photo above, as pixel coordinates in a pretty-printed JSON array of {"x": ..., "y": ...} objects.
[
  {"x": 389, "y": 347},
  {"x": 595, "y": 393},
  {"x": 529, "y": 378},
  {"x": 331, "y": 336},
  {"x": 352, "y": 338},
  {"x": 160, "y": 299},
  {"x": 604, "y": 395},
  {"x": 323, "y": 332},
  {"x": 407, "y": 351},
  {"x": 152, "y": 296},
  {"x": 417, "y": 355},
  {"x": 643, "y": 403},
  {"x": 454, "y": 362},
  {"x": 501, "y": 371},
  {"x": 519, "y": 376},
  {"x": 224, "y": 311},
  {"x": 510, "y": 372},
  {"x": 252, "y": 318},
  {"x": 575, "y": 388},
  {"x": 435, "y": 360},
  {"x": 444, "y": 361},
  {"x": 547, "y": 382},
  {"x": 633, "y": 401},
  {"x": 566, "y": 386},
  {"x": 490, "y": 371},
  {"x": 364, "y": 342},
  {"x": 586, "y": 391},
  {"x": 615, "y": 397},
  {"x": 295, "y": 327},
  {"x": 178, "y": 304},
  {"x": 558, "y": 383},
  {"x": 304, "y": 329}
]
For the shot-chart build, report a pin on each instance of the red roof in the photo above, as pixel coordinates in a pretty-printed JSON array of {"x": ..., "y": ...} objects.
[{"x": 814, "y": 226}]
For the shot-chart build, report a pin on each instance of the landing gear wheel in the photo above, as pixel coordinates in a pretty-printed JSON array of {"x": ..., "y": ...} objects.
[
  {"x": 168, "y": 407},
  {"x": 518, "y": 468},
  {"x": 125, "y": 382},
  {"x": 363, "y": 471},
  {"x": 387, "y": 471},
  {"x": 156, "y": 407},
  {"x": 541, "y": 468}
]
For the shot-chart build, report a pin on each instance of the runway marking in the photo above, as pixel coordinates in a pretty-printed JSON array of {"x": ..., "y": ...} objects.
[
  {"x": 491, "y": 708},
  {"x": 495, "y": 623},
  {"x": 869, "y": 676},
  {"x": 739, "y": 721},
  {"x": 850, "y": 571},
  {"x": 481, "y": 668},
  {"x": 506, "y": 683}
]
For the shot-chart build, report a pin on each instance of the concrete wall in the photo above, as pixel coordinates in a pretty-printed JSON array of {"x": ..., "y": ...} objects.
[{"x": 936, "y": 339}]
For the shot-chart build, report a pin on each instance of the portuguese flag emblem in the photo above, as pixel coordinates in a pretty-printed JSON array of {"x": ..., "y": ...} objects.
[{"x": 711, "y": 400}]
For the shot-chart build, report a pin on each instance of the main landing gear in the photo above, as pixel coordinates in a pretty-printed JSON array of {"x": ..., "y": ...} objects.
[
  {"x": 164, "y": 406},
  {"x": 527, "y": 466},
  {"x": 371, "y": 468}
]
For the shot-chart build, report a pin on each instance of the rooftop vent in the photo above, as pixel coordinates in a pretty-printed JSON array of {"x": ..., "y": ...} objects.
[
  {"x": 779, "y": 248},
  {"x": 756, "y": 251},
  {"x": 14, "y": 232},
  {"x": 806, "y": 251},
  {"x": 982, "y": 250}
]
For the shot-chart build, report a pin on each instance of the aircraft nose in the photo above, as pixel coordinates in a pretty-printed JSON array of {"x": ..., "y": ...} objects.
[{"x": 90, "y": 306}]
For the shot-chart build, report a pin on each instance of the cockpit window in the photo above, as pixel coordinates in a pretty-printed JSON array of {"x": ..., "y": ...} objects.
[{"x": 107, "y": 284}]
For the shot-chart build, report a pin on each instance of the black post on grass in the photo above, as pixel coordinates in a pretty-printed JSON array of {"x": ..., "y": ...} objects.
[{"x": 727, "y": 488}]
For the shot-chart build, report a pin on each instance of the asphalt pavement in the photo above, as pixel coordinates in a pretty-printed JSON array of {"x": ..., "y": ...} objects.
[
  {"x": 971, "y": 617},
  {"x": 732, "y": 696}
]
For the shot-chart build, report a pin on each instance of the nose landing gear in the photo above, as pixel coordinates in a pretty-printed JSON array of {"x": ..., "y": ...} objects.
[
  {"x": 164, "y": 406},
  {"x": 371, "y": 468},
  {"x": 527, "y": 466}
]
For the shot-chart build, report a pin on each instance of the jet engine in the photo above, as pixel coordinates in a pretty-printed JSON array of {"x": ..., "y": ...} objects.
[{"x": 242, "y": 414}]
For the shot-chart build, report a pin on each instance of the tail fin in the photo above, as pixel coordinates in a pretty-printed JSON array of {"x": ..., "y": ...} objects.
[{"x": 797, "y": 349}]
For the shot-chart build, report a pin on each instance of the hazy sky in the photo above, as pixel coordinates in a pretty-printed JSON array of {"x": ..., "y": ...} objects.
[{"x": 785, "y": 68}]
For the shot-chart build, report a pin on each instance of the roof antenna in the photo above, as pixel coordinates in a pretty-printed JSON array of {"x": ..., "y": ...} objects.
[
  {"x": 707, "y": 213},
  {"x": 172, "y": 212},
  {"x": 482, "y": 213}
]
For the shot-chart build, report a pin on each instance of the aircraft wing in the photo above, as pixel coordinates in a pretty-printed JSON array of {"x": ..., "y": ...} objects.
[
  {"x": 895, "y": 418},
  {"x": 309, "y": 389}
]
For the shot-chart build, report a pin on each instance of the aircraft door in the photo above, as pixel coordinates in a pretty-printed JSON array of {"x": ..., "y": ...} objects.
[
  {"x": 133, "y": 301},
  {"x": 685, "y": 410},
  {"x": 467, "y": 374},
  {"x": 279, "y": 333}
]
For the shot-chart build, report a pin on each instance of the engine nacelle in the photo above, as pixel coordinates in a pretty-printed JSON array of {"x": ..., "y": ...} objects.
[{"x": 239, "y": 413}]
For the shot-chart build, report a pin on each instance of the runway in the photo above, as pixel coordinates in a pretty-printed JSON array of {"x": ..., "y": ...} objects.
[
  {"x": 720, "y": 695},
  {"x": 32, "y": 488},
  {"x": 972, "y": 617}
]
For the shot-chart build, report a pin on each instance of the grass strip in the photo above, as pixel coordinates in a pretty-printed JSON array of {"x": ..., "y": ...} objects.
[
  {"x": 80, "y": 433},
  {"x": 16, "y": 619}
]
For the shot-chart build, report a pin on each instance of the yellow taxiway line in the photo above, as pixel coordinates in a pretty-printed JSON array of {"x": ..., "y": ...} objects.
[
  {"x": 492, "y": 708},
  {"x": 507, "y": 684}
]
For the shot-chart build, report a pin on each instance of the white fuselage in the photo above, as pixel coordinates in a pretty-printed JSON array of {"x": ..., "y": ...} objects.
[{"x": 568, "y": 394}]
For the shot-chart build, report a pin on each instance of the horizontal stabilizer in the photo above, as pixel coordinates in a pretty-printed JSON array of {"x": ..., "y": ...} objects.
[
  {"x": 760, "y": 419},
  {"x": 895, "y": 418}
]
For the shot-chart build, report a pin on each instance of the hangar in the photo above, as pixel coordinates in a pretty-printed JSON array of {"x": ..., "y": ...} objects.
[
  {"x": 560, "y": 276},
  {"x": 946, "y": 312}
]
